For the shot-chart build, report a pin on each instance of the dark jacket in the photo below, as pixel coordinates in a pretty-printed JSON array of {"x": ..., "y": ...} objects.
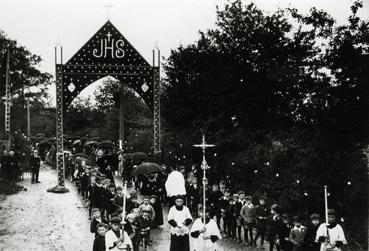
[
  {"x": 34, "y": 162},
  {"x": 99, "y": 243}
]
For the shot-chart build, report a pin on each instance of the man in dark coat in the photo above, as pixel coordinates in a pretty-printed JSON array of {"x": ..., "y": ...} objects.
[
  {"x": 3, "y": 162},
  {"x": 13, "y": 166},
  {"x": 34, "y": 163}
]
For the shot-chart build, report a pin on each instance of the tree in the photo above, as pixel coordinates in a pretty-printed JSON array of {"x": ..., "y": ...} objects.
[{"x": 285, "y": 98}]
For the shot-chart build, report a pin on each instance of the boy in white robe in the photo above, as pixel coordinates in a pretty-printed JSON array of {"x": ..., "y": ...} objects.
[
  {"x": 204, "y": 237},
  {"x": 331, "y": 235},
  {"x": 116, "y": 239},
  {"x": 179, "y": 217}
]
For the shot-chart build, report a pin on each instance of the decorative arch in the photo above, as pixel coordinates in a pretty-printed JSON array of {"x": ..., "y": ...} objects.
[{"x": 106, "y": 53}]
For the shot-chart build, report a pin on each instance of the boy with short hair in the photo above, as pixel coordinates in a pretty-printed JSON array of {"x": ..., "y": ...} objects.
[
  {"x": 144, "y": 226},
  {"x": 239, "y": 221},
  {"x": 284, "y": 234},
  {"x": 99, "y": 242},
  {"x": 232, "y": 214},
  {"x": 331, "y": 235},
  {"x": 261, "y": 215},
  {"x": 115, "y": 238},
  {"x": 204, "y": 234},
  {"x": 312, "y": 228},
  {"x": 297, "y": 234},
  {"x": 96, "y": 220},
  {"x": 146, "y": 206},
  {"x": 274, "y": 224},
  {"x": 118, "y": 199},
  {"x": 248, "y": 214}
]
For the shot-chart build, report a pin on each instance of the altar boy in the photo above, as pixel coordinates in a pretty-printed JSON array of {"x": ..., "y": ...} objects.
[{"x": 205, "y": 235}]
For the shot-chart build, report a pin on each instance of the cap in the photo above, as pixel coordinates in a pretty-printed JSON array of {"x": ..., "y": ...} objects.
[{"x": 116, "y": 220}]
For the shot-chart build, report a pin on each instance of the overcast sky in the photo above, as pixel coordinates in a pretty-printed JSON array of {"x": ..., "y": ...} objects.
[{"x": 39, "y": 24}]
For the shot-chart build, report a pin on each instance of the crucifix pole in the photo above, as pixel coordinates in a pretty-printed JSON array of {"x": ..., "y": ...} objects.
[
  {"x": 204, "y": 167},
  {"x": 7, "y": 100}
]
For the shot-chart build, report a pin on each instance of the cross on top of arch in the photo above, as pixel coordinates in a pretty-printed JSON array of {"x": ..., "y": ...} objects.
[{"x": 107, "y": 53}]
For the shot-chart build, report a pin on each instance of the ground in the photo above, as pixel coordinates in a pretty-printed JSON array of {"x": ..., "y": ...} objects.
[{"x": 37, "y": 220}]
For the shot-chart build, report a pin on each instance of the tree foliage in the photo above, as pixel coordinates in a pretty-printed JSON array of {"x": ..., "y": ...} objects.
[{"x": 286, "y": 89}]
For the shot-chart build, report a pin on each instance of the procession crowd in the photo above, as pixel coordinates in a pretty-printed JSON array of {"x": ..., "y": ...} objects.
[{"x": 227, "y": 215}]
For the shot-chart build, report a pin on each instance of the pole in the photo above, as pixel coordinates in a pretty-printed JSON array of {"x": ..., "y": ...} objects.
[
  {"x": 7, "y": 100},
  {"x": 326, "y": 204},
  {"x": 28, "y": 119},
  {"x": 204, "y": 166},
  {"x": 124, "y": 199},
  {"x": 121, "y": 117}
]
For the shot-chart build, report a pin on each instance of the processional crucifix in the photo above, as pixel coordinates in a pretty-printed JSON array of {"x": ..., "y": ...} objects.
[{"x": 204, "y": 167}]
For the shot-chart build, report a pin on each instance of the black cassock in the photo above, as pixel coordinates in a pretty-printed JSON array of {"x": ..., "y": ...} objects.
[{"x": 179, "y": 218}]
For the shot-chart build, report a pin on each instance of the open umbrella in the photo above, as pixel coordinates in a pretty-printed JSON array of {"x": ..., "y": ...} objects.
[
  {"x": 82, "y": 155},
  {"x": 91, "y": 143},
  {"x": 79, "y": 160},
  {"x": 105, "y": 143},
  {"x": 137, "y": 157},
  {"x": 147, "y": 168},
  {"x": 77, "y": 141}
]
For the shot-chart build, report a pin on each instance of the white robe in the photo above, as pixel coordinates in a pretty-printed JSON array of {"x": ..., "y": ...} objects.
[
  {"x": 199, "y": 244},
  {"x": 179, "y": 217},
  {"x": 335, "y": 234},
  {"x": 110, "y": 237},
  {"x": 175, "y": 184}
]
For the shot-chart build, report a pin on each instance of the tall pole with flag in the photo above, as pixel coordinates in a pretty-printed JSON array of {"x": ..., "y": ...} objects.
[{"x": 204, "y": 167}]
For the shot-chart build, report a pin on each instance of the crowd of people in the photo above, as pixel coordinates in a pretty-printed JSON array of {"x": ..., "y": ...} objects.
[{"x": 121, "y": 219}]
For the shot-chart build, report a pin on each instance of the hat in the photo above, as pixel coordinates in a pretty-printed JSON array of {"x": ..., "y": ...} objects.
[
  {"x": 248, "y": 197},
  {"x": 235, "y": 195},
  {"x": 116, "y": 220},
  {"x": 154, "y": 197},
  {"x": 146, "y": 210},
  {"x": 179, "y": 197},
  {"x": 133, "y": 193},
  {"x": 145, "y": 197},
  {"x": 315, "y": 217},
  {"x": 241, "y": 192},
  {"x": 331, "y": 212}
]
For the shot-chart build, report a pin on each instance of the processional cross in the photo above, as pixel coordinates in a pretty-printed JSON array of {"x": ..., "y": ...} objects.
[
  {"x": 204, "y": 167},
  {"x": 108, "y": 6}
]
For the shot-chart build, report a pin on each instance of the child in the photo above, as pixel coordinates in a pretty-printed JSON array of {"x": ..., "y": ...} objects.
[
  {"x": 331, "y": 235},
  {"x": 194, "y": 196},
  {"x": 214, "y": 198},
  {"x": 99, "y": 242},
  {"x": 239, "y": 205},
  {"x": 310, "y": 243},
  {"x": 155, "y": 203},
  {"x": 115, "y": 238},
  {"x": 261, "y": 215},
  {"x": 248, "y": 214},
  {"x": 131, "y": 227},
  {"x": 297, "y": 234},
  {"x": 274, "y": 224},
  {"x": 96, "y": 220},
  {"x": 118, "y": 199},
  {"x": 146, "y": 206},
  {"x": 91, "y": 188},
  {"x": 231, "y": 217},
  {"x": 284, "y": 234},
  {"x": 223, "y": 206},
  {"x": 110, "y": 195},
  {"x": 144, "y": 225},
  {"x": 205, "y": 235}
]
